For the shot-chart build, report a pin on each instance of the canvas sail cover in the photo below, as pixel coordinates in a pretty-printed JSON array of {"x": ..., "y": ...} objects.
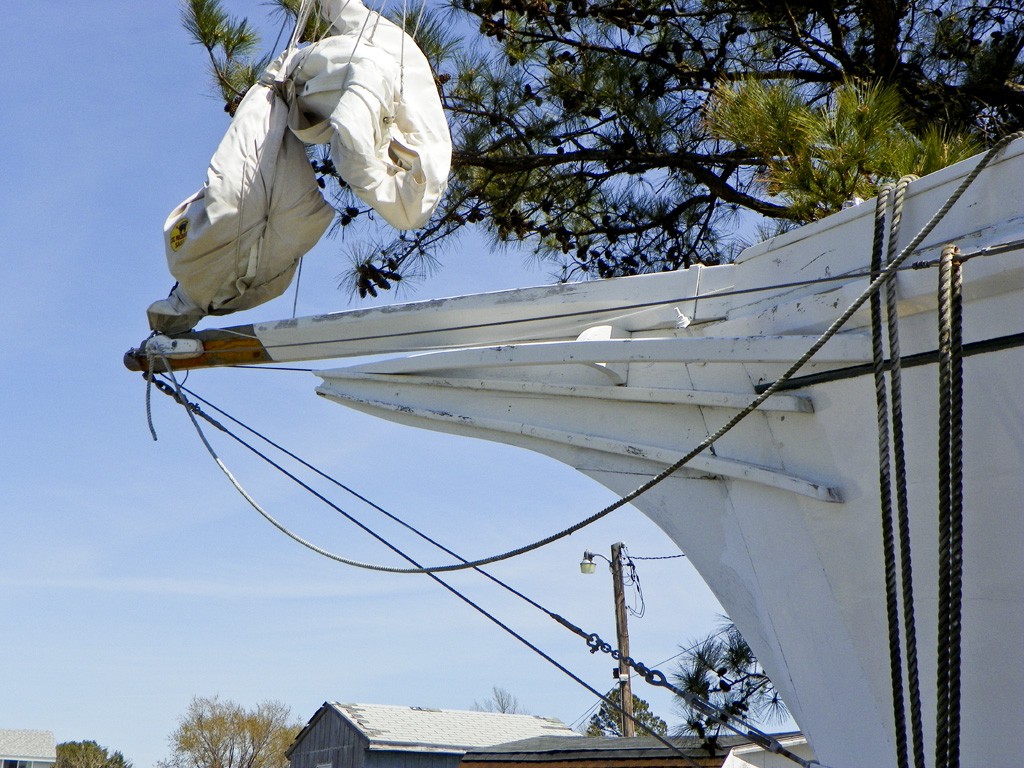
[
  {"x": 236, "y": 242},
  {"x": 369, "y": 92}
]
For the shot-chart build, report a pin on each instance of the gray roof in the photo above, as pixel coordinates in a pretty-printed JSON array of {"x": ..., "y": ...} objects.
[
  {"x": 592, "y": 748},
  {"x": 443, "y": 730},
  {"x": 24, "y": 744}
]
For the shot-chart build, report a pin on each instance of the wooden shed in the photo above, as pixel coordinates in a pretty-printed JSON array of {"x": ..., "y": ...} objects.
[{"x": 383, "y": 736}]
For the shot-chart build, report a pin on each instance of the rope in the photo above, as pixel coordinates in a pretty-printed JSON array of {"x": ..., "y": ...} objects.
[
  {"x": 884, "y": 487},
  {"x": 942, "y": 687},
  {"x": 655, "y": 677},
  {"x": 703, "y": 706},
  {"x": 847, "y": 277},
  {"x": 900, "y": 467},
  {"x": 947, "y": 739},
  {"x": 956, "y": 510},
  {"x": 194, "y": 411},
  {"x": 180, "y": 390},
  {"x": 754, "y": 404},
  {"x": 151, "y": 362}
]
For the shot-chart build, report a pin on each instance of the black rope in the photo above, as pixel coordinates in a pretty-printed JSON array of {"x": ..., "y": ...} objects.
[
  {"x": 900, "y": 468},
  {"x": 956, "y": 538},
  {"x": 195, "y": 411},
  {"x": 947, "y": 738},
  {"x": 884, "y": 488},
  {"x": 654, "y": 677},
  {"x": 942, "y": 671}
]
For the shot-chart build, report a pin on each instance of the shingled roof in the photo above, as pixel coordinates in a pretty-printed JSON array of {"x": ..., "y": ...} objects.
[
  {"x": 601, "y": 752},
  {"x": 402, "y": 728},
  {"x": 22, "y": 744}
]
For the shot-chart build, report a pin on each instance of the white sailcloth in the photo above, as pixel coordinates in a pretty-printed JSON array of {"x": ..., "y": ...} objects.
[
  {"x": 236, "y": 242},
  {"x": 369, "y": 92}
]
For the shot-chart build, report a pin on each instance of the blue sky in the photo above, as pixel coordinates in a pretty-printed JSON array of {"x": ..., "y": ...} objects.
[{"x": 134, "y": 577}]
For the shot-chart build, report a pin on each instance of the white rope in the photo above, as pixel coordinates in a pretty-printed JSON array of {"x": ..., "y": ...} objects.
[{"x": 301, "y": 19}]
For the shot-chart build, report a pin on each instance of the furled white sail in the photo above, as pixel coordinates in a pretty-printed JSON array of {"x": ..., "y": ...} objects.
[
  {"x": 369, "y": 92},
  {"x": 235, "y": 243}
]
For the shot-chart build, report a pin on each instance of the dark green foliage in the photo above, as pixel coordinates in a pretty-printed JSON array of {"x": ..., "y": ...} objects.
[
  {"x": 592, "y": 133},
  {"x": 607, "y": 721},
  {"x": 722, "y": 669}
]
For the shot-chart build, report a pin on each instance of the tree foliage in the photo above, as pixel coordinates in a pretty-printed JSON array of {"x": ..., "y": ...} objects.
[
  {"x": 607, "y": 721},
  {"x": 223, "y": 734},
  {"x": 88, "y": 754},
  {"x": 723, "y": 670},
  {"x": 618, "y": 137}
]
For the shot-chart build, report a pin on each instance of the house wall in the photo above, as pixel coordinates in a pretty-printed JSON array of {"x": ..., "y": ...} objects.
[{"x": 330, "y": 743}]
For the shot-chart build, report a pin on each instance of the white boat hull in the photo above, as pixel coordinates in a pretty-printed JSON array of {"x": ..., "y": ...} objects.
[{"x": 781, "y": 517}]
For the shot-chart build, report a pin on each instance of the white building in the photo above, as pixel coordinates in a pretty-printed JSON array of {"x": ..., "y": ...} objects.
[{"x": 21, "y": 748}]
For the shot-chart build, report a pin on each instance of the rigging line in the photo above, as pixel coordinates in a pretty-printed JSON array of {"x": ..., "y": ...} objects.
[
  {"x": 390, "y": 515},
  {"x": 885, "y": 489},
  {"x": 419, "y": 18},
  {"x": 703, "y": 706},
  {"x": 193, "y": 411},
  {"x": 401, "y": 55},
  {"x": 273, "y": 368},
  {"x": 900, "y": 467},
  {"x": 942, "y": 684},
  {"x": 301, "y": 20},
  {"x": 661, "y": 663},
  {"x": 298, "y": 281},
  {"x": 851, "y": 276},
  {"x": 956, "y": 509},
  {"x": 752, "y": 406},
  {"x": 398, "y": 520},
  {"x": 985, "y": 346},
  {"x": 593, "y": 639},
  {"x": 947, "y": 745},
  {"x": 660, "y": 557},
  {"x": 993, "y": 250}
]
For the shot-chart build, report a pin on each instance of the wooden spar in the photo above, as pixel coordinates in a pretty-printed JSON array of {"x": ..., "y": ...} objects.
[{"x": 221, "y": 347}]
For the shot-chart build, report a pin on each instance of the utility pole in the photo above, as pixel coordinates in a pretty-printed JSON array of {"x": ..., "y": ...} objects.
[{"x": 622, "y": 633}]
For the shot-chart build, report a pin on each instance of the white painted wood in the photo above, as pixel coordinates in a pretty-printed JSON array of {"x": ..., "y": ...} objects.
[
  {"x": 801, "y": 575},
  {"x": 778, "y": 402},
  {"x": 706, "y": 463}
]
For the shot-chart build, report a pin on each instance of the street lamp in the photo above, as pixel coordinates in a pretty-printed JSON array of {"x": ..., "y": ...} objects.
[{"x": 621, "y": 630}]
